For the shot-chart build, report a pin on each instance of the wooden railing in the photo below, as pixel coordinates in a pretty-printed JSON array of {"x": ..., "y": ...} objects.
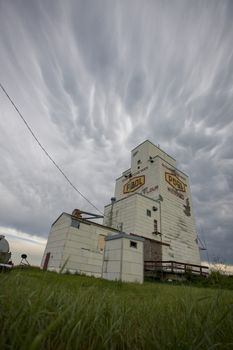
[{"x": 175, "y": 267}]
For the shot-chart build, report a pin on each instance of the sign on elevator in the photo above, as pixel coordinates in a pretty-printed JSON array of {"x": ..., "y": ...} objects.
[{"x": 134, "y": 183}]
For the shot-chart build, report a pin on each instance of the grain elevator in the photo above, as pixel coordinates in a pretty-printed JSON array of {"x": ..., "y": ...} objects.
[
  {"x": 148, "y": 222},
  {"x": 153, "y": 200}
]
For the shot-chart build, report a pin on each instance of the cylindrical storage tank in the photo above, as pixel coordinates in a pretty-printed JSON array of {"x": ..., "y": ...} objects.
[{"x": 5, "y": 255}]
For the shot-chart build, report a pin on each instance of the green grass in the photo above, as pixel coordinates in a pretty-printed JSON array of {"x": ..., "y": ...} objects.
[{"x": 45, "y": 310}]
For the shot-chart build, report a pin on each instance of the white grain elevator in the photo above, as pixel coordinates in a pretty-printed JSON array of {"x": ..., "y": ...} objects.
[{"x": 153, "y": 200}]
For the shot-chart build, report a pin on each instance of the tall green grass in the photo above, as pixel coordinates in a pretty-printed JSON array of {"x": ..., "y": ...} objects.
[{"x": 45, "y": 310}]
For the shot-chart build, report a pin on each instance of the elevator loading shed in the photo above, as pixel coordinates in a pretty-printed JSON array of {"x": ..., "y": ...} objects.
[{"x": 152, "y": 208}]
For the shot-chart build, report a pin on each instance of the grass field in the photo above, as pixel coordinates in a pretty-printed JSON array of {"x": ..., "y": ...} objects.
[{"x": 45, "y": 310}]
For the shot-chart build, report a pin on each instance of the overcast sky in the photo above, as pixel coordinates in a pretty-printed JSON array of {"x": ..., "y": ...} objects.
[{"x": 96, "y": 78}]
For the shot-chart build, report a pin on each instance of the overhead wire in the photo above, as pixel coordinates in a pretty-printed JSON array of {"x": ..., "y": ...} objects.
[{"x": 44, "y": 150}]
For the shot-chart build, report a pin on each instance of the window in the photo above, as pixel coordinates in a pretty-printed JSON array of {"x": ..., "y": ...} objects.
[
  {"x": 133, "y": 244},
  {"x": 148, "y": 212},
  {"x": 139, "y": 161},
  {"x": 155, "y": 226},
  {"x": 75, "y": 223}
]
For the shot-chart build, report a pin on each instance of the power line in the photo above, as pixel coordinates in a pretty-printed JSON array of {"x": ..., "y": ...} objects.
[{"x": 44, "y": 150}]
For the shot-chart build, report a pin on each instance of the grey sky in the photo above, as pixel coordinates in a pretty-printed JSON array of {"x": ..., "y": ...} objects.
[{"x": 96, "y": 78}]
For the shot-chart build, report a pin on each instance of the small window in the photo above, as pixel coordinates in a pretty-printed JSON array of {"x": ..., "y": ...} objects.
[
  {"x": 139, "y": 161},
  {"x": 133, "y": 244},
  {"x": 148, "y": 212},
  {"x": 155, "y": 226},
  {"x": 75, "y": 223}
]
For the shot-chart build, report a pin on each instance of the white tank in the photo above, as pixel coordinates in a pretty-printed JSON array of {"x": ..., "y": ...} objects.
[{"x": 5, "y": 255}]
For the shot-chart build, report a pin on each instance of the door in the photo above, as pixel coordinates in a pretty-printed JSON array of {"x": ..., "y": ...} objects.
[
  {"x": 152, "y": 250},
  {"x": 46, "y": 261}
]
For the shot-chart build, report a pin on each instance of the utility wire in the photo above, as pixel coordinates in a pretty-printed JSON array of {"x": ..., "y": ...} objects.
[{"x": 44, "y": 150}]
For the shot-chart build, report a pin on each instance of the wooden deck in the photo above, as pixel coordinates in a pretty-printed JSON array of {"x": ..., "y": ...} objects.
[{"x": 163, "y": 268}]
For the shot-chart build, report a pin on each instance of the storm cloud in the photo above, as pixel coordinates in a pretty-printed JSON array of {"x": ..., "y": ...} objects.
[{"x": 96, "y": 78}]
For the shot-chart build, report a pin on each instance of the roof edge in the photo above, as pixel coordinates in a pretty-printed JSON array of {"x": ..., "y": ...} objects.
[{"x": 154, "y": 146}]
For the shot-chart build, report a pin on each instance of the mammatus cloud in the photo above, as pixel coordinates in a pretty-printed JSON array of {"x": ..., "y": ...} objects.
[{"x": 94, "y": 79}]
